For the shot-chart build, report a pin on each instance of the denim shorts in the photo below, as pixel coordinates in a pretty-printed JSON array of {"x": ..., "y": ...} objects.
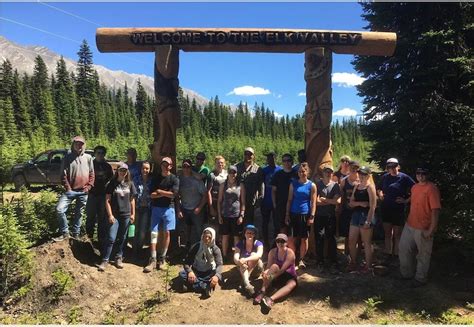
[
  {"x": 162, "y": 219},
  {"x": 360, "y": 217}
]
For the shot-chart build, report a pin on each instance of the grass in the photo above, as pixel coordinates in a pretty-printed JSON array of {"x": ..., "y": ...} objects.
[
  {"x": 370, "y": 307},
  {"x": 62, "y": 283}
]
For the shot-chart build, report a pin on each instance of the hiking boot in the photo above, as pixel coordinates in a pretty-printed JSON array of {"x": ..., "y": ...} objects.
[
  {"x": 62, "y": 237},
  {"x": 258, "y": 299},
  {"x": 208, "y": 291},
  {"x": 301, "y": 264},
  {"x": 267, "y": 302},
  {"x": 150, "y": 266},
  {"x": 416, "y": 283},
  {"x": 161, "y": 265},
  {"x": 119, "y": 263},
  {"x": 102, "y": 266},
  {"x": 352, "y": 267}
]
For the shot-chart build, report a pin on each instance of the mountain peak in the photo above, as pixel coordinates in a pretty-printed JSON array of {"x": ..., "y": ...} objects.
[{"x": 22, "y": 58}]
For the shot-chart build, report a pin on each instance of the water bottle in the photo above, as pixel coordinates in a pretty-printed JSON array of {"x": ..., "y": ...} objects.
[{"x": 131, "y": 231}]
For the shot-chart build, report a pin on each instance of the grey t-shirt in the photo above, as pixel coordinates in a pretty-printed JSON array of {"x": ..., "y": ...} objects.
[
  {"x": 190, "y": 191},
  {"x": 214, "y": 182},
  {"x": 329, "y": 191},
  {"x": 231, "y": 201}
]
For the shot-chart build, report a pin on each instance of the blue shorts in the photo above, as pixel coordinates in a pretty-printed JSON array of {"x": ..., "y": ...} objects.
[
  {"x": 162, "y": 219},
  {"x": 360, "y": 217}
]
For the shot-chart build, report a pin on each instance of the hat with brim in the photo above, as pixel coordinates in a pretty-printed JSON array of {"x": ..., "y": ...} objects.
[
  {"x": 422, "y": 170},
  {"x": 364, "y": 170},
  {"x": 187, "y": 162},
  {"x": 122, "y": 165},
  {"x": 327, "y": 167},
  {"x": 232, "y": 168},
  {"x": 252, "y": 228},
  {"x": 79, "y": 139},
  {"x": 168, "y": 160},
  {"x": 392, "y": 162},
  {"x": 354, "y": 163},
  {"x": 249, "y": 149},
  {"x": 281, "y": 236}
]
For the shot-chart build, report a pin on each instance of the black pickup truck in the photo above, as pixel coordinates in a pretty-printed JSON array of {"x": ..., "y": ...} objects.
[{"x": 44, "y": 169}]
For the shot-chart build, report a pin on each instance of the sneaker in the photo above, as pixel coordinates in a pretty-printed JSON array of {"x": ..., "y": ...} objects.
[
  {"x": 161, "y": 265},
  {"x": 365, "y": 270},
  {"x": 208, "y": 291},
  {"x": 151, "y": 265},
  {"x": 416, "y": 283},
  {"x": 258, "y": 299},
  {"x": 62, "y": 237},
  {"x": 267, "y": 302},
  {"x": 119, "y": 263},
  {"x": 250, "y": 290},
  {"x": 301, "y": 264},
  {"x": 75, "y": 236},
  {"x": 102, "y": 266},
  {"x": 352, "y": 267}
]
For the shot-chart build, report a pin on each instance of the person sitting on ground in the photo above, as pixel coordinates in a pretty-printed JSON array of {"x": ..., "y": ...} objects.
[
  {"x": 203, "y": 264},
  {"x": 281, "y": 273},
  {"x": 247, "y": 256}
]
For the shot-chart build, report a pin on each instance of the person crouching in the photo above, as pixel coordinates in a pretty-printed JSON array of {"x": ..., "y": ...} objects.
[{"x": 203, "y": 264}]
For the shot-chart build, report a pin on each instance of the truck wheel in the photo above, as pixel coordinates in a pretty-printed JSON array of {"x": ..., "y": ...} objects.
[{"x": 19, "y": 181}]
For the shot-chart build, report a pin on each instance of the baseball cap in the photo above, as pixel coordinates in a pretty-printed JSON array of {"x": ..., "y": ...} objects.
[
  {"x": 122, "y": 165},
  {"x": 232, "y": 167},
  {"x": 251, "y": 227},
  {"x": 327, "y": 167},
  {"x": 78, "y": 139},
  {"x": 354, "y": 163},
  {"x": 392, "y": 161},
  {"x": 364, "y": 170},
  {"x": 422, "y": 170},
  {"x": 167, "y": 159},
  {"x": 345, "y": 158},
  {"x": 187, "y": 162},
  {"x": 281, "y": 236},
  {"x": 249, "y": 149}
]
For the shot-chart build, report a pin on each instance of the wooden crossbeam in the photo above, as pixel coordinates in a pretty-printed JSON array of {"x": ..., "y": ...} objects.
[{"x": 245, "y": 40}]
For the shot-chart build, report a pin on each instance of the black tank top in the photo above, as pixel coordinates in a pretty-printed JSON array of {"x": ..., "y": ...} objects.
[
  {"x": 361, "y": 196},
  {"x": 346, "y": 193}
]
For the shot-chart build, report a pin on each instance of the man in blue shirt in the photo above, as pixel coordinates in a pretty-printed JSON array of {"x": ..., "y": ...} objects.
[{"x": 267, "y": 204}]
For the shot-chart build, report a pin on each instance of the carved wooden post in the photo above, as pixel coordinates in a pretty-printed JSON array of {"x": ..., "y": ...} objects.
[
  {"x": 318, "y": 110},
  {"x": 167, "y": 115}
]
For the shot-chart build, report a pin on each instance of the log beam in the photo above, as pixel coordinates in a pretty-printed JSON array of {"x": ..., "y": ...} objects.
[{"x": 245, "y": 40}]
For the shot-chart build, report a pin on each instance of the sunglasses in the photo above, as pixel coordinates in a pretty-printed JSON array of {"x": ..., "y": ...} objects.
[
  {"x": 392, "y": 166},
  {"x": 99, "y": 152},
  {"x": 232, "y": 172},
  {"x": 248, "y": 153},
  {"x": 122, "y": 170},
  {"x": 362, "y": 174},
  {"x": 280, "y": 241}
]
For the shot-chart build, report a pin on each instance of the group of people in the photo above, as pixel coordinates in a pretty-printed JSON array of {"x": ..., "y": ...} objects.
[{"x": 199, "y": 201}]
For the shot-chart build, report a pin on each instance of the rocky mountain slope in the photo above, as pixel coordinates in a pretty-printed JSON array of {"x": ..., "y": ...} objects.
[{"x": 22, "y": 58}]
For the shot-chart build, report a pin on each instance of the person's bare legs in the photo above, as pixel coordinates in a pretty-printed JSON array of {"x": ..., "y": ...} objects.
[
  {"x": 387, "y": 228},
  {"x": 353, "y": 238},
  {"x": 163, "y": 244},
  {"x": 397, "y": 234},
  {"x": 366, "y": 235},
  {"x": 303, "y": 247},
  {"x": 284, "y": 291},
  {"x": 266, "y": 281},
  {"x": 292, "y": 243},
  {"x": 225, "y": 245}
]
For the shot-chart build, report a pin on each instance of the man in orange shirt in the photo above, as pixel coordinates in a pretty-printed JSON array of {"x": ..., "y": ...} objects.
[{"x": 416, "y": 241}]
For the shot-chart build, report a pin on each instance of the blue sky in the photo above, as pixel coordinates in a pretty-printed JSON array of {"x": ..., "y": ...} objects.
[{"x": 62, "y": 26}]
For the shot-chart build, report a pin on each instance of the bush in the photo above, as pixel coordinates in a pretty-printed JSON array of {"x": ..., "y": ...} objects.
[
  {"x": 62, "y": 283},
  {"x": 15, "y": 259}
]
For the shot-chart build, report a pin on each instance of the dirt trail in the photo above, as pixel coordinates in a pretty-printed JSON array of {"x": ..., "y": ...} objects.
[{"x": 129, "y": 296}]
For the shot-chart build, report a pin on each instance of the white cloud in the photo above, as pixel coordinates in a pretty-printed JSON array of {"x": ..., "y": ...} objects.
[
  {"x": 345, "y": 112},
  {"x": 347, "y": 79},
  {"x": 277, "y": 115},
  {"x": 248, "y": 90},
  {"x": 278, "y": 96},
  {"x": 302, "y": 94}
]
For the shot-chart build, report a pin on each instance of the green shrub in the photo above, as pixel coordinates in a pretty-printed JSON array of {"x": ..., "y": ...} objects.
[
  {"x": 15, "y": 259},
  {"x": 62, "y": 283}
]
